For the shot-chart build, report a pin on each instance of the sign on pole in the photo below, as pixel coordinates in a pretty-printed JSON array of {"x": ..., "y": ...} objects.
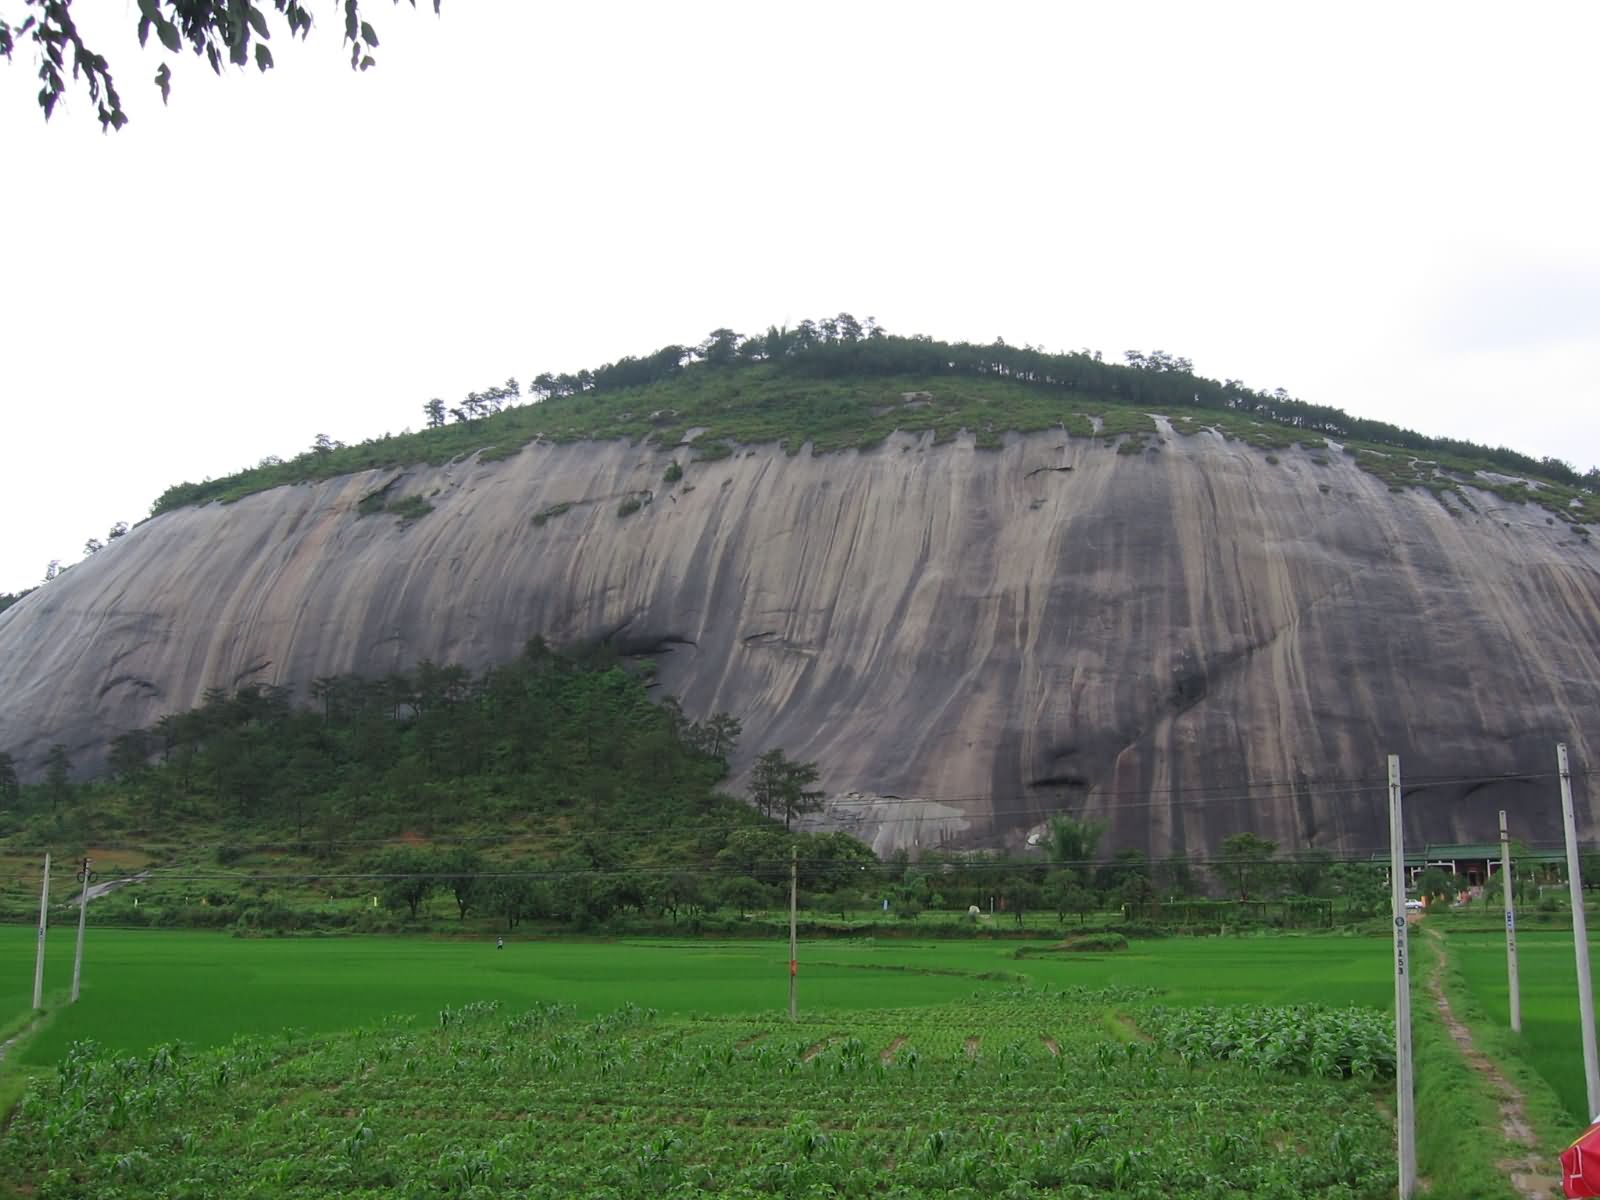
[
  {"x": 1513, "y": 990},
  {"x": 1580, "y": 935},
  {"x": 1405, "y": 1111},
  {"x": 38, "y": 959}
]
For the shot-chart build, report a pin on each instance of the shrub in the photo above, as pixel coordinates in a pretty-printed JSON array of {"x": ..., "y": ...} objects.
[
  {"x": 1091, "y": 942},
  {"x": 712, "y": 452},
  {"x": 673, "y": 473},
  {"x": 555, "y": 510},
  {"x": 629, "y": 506},
  {"x": 410, "y": 509}
]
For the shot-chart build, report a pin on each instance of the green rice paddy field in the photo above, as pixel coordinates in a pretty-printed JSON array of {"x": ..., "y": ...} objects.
[
  {"x": 1551, "y": 1040},
  {"x": 143, "y": 988},
  {"x": 1176, "y": 1069}
]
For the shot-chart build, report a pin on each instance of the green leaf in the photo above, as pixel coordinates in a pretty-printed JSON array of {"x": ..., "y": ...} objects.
[
  {"x": 263, "y": 57},
  {"x": 258, "y": 23},
  {"x": 164, "y": 82},
  {"x": 148, "y": 16},
  {"x": 368, "y": 34},
  {"x": 168, "y": 33},
  {"x": 368, "y": 61}
]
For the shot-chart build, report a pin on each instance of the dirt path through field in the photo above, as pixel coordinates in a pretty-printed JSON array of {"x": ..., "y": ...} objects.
[{"x": 1532, "y": 1175}]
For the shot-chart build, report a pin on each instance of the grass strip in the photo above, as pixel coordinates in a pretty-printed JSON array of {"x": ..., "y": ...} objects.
[
  {"x": 15, "y": 1076},
  {"x": 1459, "y": 1143},
  {"x": 1542, "y": 1107},
  {"x": 1454, "y": 1112}
]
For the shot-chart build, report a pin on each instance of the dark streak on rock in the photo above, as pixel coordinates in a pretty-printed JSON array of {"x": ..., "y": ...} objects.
[
  {"x": 143, "y": 685},
  {"x": 249, "y": 671}
]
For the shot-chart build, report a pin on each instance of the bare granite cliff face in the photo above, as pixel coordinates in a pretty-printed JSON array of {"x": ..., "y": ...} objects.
[{"x": 1188, "y": 641}]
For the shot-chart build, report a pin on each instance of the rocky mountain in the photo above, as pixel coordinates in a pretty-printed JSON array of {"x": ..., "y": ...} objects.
[{"x": 1189, "y": 638}]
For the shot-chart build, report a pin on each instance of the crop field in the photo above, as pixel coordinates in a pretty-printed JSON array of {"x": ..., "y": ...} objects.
[
  {"x": 143, "y": 988},
  {"x": 1024, "y": 1091},
  {"x": 1551, "y": 1040}
]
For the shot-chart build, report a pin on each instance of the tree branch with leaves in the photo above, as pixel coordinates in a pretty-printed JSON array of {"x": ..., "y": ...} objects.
[{"x": 233, "y": 31}]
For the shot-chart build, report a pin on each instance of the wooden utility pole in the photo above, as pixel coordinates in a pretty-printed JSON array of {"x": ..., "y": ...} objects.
[
  {"x": 1513, "y": 988},
  {"x": 1405, "y": 1109},
  {"x": 794, "y": 965},
  {"x": 38, "y": 960},
  {"x": 83, "y": 912},
  {"x": 1580, "y": 935}
]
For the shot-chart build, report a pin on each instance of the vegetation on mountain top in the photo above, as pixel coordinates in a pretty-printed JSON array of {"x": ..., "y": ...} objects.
[{"x": 837, "y": 384}]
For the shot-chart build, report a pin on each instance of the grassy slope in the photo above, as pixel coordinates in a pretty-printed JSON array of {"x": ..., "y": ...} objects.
[
  {"x": 299, "y": 874},
  {"x": 760, "y": 404}
]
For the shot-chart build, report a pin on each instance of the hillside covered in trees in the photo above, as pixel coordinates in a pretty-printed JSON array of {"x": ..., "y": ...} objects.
[{"x": 550, "y": 786}]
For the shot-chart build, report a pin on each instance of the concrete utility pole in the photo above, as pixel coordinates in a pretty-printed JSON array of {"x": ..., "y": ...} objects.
[
  {"x": 1580, "y": 935},
  {"x": 1405, "y": 1108},
  {"x": 794, "y": 966},
  {"x": 83, "y": 912},
  {"x": 1513, "y": 989},
  {"x": 38, "y": 961}
]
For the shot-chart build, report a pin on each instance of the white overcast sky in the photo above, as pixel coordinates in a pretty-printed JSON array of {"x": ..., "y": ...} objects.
[{"x": 1387, "y": 207}]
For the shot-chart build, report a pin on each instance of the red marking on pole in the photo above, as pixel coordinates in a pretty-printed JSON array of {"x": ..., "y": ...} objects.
[{"x": 794, "y": 967}]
